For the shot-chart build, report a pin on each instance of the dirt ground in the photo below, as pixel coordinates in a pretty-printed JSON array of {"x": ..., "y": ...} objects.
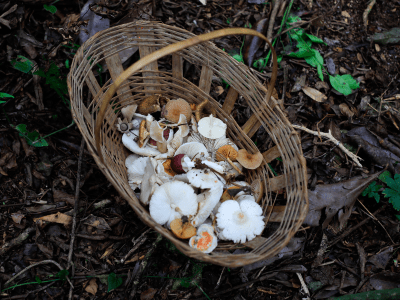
[{"x": 349, "y": 246}]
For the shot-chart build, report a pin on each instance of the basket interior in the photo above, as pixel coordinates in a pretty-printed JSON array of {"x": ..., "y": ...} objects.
[{"x": 167, "y": 79}]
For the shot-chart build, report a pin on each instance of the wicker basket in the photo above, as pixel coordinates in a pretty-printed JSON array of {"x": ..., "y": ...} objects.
[{"x": 97, "y": 119}]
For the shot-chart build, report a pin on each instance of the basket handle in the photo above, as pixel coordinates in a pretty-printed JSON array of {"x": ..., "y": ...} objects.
[{"x": 167, "y": 51}]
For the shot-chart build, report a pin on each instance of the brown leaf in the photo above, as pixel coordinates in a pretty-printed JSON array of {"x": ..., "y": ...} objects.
[
  {"x": 60, "y": 196},
  {"x": 345, "y": 110},
  {"x": 17, "y": 217},
  {"x": 148, "y": 294},
  {"x": 56, "y": 218},
  {"x": 252, "y": 43},
  {"x": 91, "y": 287},
  {"x": 97, "y": 222},
  {"x": 338, "y": 197},
  {"x": 314, "y": 94}
]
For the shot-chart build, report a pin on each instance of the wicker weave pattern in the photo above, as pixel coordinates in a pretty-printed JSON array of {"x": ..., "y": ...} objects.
[{"x": 148, "y": 36}]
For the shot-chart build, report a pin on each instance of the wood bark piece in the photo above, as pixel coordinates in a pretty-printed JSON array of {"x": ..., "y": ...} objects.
[
  {"x": 271, "y": 154},
  {"x": 230, "y": 100}
]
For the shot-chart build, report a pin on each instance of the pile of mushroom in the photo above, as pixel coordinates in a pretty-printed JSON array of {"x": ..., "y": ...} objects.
[{"x": 185, "y": 168}]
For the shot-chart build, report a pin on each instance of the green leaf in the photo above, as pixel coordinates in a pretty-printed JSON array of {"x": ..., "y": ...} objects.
[
  {"x": 63, "y": 274},
  {"x": 22, "y": 64},
  {"x": 372, "y": 191},
  {"x": 67, "y": 63},
  {"x": 1, "y": 102},
  {"x": 238, "y": 57},
  {"x": 114, "y": 281},
  {"x": 38, "y": 280},
  {"x": 314, "y": 39},
  {"x": 398, "y": 217},
  {"x": 320, "y": 74},
  {"x": 393, "y": 193},
  {"x": 316, "y": 59},
  {"x": 32, "y": 138},
  {"x": 50, "y": 8},
  {"x": 185, "y": 282},
  {"x": 5, "y": 95},
  {"x": 302, "y": 53},
  {"x": 384, "y": 176},
  {"x": 343, "y": 83}
]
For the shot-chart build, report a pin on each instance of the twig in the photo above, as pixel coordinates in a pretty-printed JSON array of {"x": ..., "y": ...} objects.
[
  {"x": 272, "y": 21},
  {"x": 34, "y": 265},
  {"x": 76, "y": 207},
  {"x": 367, "y": 11},
  {"x": 136, "y": 244},
  {"x": 350, "y": 230},
  {"x": 321, "y": 251},
  {"x": 143, "y": 266},
  {"x": 17, "y": 241},
  {"x": 304, "y": 286},
  {"x": 376, "y": 219},
  {"x": 329, "y": 136}
]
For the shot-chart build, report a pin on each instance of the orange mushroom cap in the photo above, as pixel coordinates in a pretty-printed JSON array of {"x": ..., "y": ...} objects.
[
  {"x": 168, "y": 168},
  {"x": 174, "y": 108},
  {"x": 149, "y": 105},
  {"x": 248, "y": 160},
  {"x": 182, "y": 230},
  {"x": 226, "y": 151}
]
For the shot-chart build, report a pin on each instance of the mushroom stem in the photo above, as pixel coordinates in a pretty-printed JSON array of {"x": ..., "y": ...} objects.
[
  {"x": 199, "y": 109},
  {"x": 234, "y": 166}
]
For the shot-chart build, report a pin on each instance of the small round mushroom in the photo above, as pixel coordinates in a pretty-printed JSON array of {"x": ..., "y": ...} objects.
[
  {"x": 149, "y": 105},
  {"x": 205, "y": 240},
  {"x": 172, "y": 200},
  {"x": 211, "y": 127},
  {"x": 182, "y": 230},
  {"x": 239, "y": 221},
  {"x": 174, "y": 108},
  {"x": 248, "y": 160},
  {"x": 181, "y": 163},
  {"x": 226, "y": 151}
]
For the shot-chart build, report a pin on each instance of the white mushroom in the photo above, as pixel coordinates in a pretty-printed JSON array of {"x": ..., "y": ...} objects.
[
  {"x": 172, "y": 200},
  {"x": 129, "y": 111},
  {"x": 239, "y": 221},
  {"x": 193, "y": 150},
  {"x": 150, "y": 181},
  {"x": 212, "y": 127},
  {"x": 129, "y": 141},
  {"x": 136, "y": 166},
  {"x": 204, "y": 240},
  {"x": 205, "y": 179}
]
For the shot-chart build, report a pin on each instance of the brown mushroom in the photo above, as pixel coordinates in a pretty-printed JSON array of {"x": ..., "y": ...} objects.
[
  {"x": 174, "y": 108},
  {"x": 149, "y": 105},
  {"x": 129, "y": 111},
  {"x": 248, "y": 160},
  {"x": 199, "y": 109},
  {"x": 168, "y": 168},
  {"x": 182, "y": 230},
  {"x": 258, "y": 189},
  {"x": 226, "y": 151},
  {"x": 143, "y": 133}
]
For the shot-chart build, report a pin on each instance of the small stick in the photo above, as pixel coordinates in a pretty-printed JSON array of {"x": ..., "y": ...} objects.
[
  {"x": 76, "y": 208},
  {"x": 272, "y": 21},
  {"x": 329, "y": 136},
  {"x": 34, "y": 265},
  {"x": 304, "y": 286},
  {"x": 136, "y": 244},
  {"x": 143, "y": 266},
  {"x": 234, "y": 166},
  {"x": 367, "y": 11},
  {"x": 17, "y": 241}
]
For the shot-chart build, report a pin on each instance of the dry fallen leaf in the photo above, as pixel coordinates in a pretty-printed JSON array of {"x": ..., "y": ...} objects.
[
  {"x": 345, "y": 110},
  {"x": 56, "y": 218},
  {"x": 97, "y": 222},
  {"x": 219, "y": 90},
  {"x": 92, "y": 287},
  {"x": 314, "y": 94},
  {"x": 17, "y": 217}
]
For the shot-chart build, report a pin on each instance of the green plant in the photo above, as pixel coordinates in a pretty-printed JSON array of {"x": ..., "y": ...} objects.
[
  {"x": 114, "y": 281},
  {"x": 50, "y": 8},
  {"x": 32, "y": 138},
  {"x": 23, "y": 64},
  {"x": 344, "y": 84},
  {"x": 392, "y": 191},
  {"x": 5, "y": 95}
]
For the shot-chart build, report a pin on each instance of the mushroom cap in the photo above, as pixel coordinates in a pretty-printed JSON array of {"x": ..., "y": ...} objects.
[
  {"x": 205, "y": 240},
  {"x": 128, "y": 139},
  {"x": 226, "y": 151},
  {"x": 240, "y": 221},
  {"x": 171, "y": 200},
  {"x": 248, "y": 160},
  {"x": 193, "y": 150},
  {"x": 174, "y": 108},
  {"x": 129, "y": 111},
  {"x": 149, "y": 105},
  {"x": 204, "y": 179},
  {"x": 168, "y": 168},
  {"x": 135, "y": 166},
  {"x": 150, "y": 181},
  {"x": 182, "y": 230},
  {"x": 211, "y": 127}
]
